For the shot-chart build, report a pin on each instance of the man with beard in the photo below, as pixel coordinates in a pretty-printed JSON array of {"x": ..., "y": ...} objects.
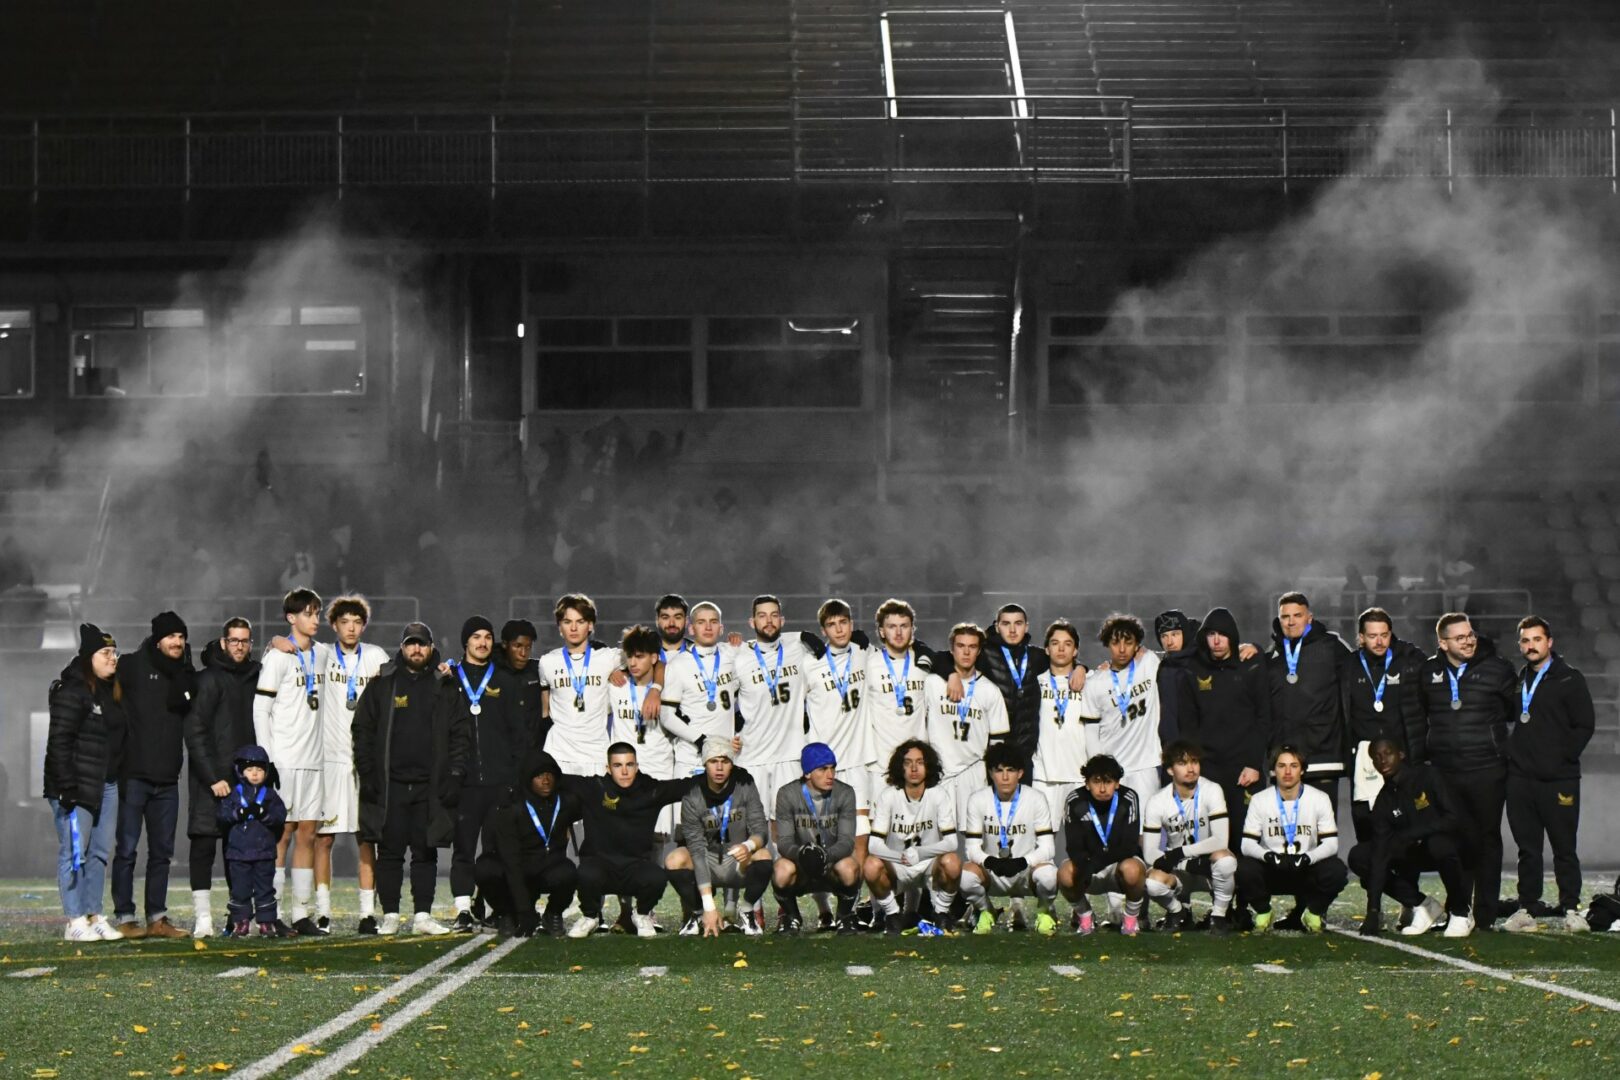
[
  {"x": 526, "y": 852},
  {"x": 158, "y": 686},
  {"x": 402, "y": 757},
  {"x": 1378, "y": 684},
  {"x": 669, "y": 617},
  {"x": 1306, "y": 711},
  {"x": 770, "y": 703},
  {"x": 1469, "y": 692},
  {"x": 896, "y": 672},
  {"x": 220, "y": 721}
]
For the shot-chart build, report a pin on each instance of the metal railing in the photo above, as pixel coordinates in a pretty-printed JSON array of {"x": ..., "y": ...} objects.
[{"x": 128, "y": 618}]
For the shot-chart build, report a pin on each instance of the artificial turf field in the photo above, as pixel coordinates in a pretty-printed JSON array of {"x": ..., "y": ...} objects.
[{"x": 1004, "y": 1005}]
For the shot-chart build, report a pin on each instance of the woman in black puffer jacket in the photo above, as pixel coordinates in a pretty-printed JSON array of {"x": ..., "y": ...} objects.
[{"x": 83, "y": 754}]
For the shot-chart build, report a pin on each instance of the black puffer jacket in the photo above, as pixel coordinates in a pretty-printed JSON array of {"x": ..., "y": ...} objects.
[
  {"x": 1231, "y": 703},
  {"x": 1023, "y": 706},
  {"x": 1474, "y": 736},
  {"x": 1402, "y": 718},
  {"x": 1307, "y": 713},
  {"x": 84, "y": 748},
  {"x": 1548, "y": 746},
  {"x": 220, "y": 721},
  {"x": 157, "y": 695}
]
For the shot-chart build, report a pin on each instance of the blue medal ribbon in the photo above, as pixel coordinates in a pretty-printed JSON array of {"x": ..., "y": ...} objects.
[
  {"x": 815, "y": 820},
  {"x": 725, "y": 818},
  {"x": 1123, "y": 699},
  {"x": 78, "y": 841},
  {"x": 1191, "y": 822},
  {"x": 710, "y": 684},
  {"x": 1290, "y": 822},
  {"x": 578, "y": 681},
  {"x": 635, "y": 711},
  {"x": 898, "y": 680},
  {"x": 1527, "y": 690},
  {"x": 545, "y": 833},
  {"x": 1291, "y": 656},
  {"x": 841, "y": 680},
  {"x": 1060, "y": 699},
  {"x": 1378, "y": 688},
  {"x": 1018, "y": 671},
  {"x": 1003, "y": 824},
  {"x": 1096, "y": 821},
  {"x": 343, "y": 666},
  {"x": 474, "y": 695},
  {"x": 963, "y": 705},
  {"x": 773, "y": 675},
  {"x": 309, "y": 668},
  {"x": 685, "y": 646},
  {"x": 1455, "y": 677}
]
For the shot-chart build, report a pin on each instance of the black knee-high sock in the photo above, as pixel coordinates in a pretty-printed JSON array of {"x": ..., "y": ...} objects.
[
  {"x": 846, "y": 900},
  {"x": 684, "y": 882},
  {"x": 755, "y": 880}
]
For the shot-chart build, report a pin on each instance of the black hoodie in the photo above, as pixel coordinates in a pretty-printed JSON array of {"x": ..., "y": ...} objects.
[
  {"x": 1308, "y": 713},
  {"x": 1413, "y": 805},
  {"x": 396, "y": 712},
  {"x": 220, "y": 721},
  {"x": 157, "y": 696},
  {"x": 1548, "y": 745},
  {"x": 510, "y": 834},
  {"x": 1474, "y": 736},
  {"x": 1231, "y": 703}
]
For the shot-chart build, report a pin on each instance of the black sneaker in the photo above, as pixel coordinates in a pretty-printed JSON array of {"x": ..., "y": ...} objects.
[
  {"x": 692, "y": 925},
  {"x": 788, "y": 922},
  {"x": 323, "y": 925},
  {"x": 894, "y": 925},
  {"x": 553, "y": 925},
  {"x": 1219, "y": 926},
  {"x": 1176, "y": 921},
  {"x": 623, "y": 925},
  {"x": 368, "y": 925},
  {"x": 825, "y": 923},
  {"x": 506, "y": 926},
  {"x": 847, "y": 925},
  {"x": 279, "y": 929},
  {"x": 866, "y": 917},
  {"x": 464, "y": 923},
  {"x": 1540, "y": 909},
  {"x": 305, "y": 927}
]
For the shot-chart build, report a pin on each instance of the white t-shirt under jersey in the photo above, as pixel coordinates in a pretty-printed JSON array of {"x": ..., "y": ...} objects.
[
  {"x": 1026, "y": 818},
  {"x": 655, "y": 752},
  {"x": 890, "y": 722},
  {"x": 1265, "y": 826},
  {"x": 1199, "y": 825},
  {"x": 960, "y": 731},
  {"x": 289, "y": 730},
  {"x": 689, "y": 712},
  {"x": 337, "y": 721},
  {"x": 772, "y": 730},
  {"x": 1061, "y": 751},
  {"x": 1132, "y": 737},
  {"x": 579, "y": 721},
  {"x": 835, "y": 714}
]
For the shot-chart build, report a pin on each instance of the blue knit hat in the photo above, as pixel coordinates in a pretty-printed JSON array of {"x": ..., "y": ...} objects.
[{"x": 815, "y": 755}]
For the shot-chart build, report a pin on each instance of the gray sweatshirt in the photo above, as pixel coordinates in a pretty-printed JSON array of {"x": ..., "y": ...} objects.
[
  {"x": 702, "y": 812},
  {"x": 831, "y": 824}
]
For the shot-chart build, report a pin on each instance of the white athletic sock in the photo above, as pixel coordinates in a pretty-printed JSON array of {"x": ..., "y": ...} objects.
[
  {"x": 368, "y": 903},
  {"x": 1164, "y": 895},
  {"x": 1223, "y": 883},
  {"x": 972, "y": 887},
  {"x": 1045, "y": 878},
  {"x": 201, "y": 908},
  {"x": 463, "y": 903},
  {"x": 303, "y": 883},
  {"x": 942, "y": 902},
  {"x": 323, "y": 900},
  {"x": 887, "y": 904},
  {"x": 1133, "y": 908},
  {"x": 281, "y": 881}
]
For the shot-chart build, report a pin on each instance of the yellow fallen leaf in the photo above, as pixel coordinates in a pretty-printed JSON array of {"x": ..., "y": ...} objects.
[
  {"x": 956, "y": 988},
  {"x": 1116, "y": 1012},
  {"x": 523, "y": 1025},
  {"x": 577, "y": 967},
  {"x": 732, "y": 1066},
  {"x": 1375, "y": 1075},
  {"x": 638, "y": 1049},
  {"x": 808, "y": 1042},
  {"x": 506, "y": 1009},
  {"x": 956, "y": 1027},
  {"x": 739, "y": 963},
  {"x": 1455, "y": 1040},
  {"x": 438, "y": 1027},
  {"x": 199, "y": 944},
  {"x": 989, "y": 993},
  {"x": 869, "y": 993},
  {"x": 141, "y": 1029},
  {"x": 586, "y": 1026},
  {"x": 178, "y": 1070},
  {"x": 1283, "y": 1024},
  {"x": 1294, "y": 1063},
  {"x": 1125, "y": 997}
]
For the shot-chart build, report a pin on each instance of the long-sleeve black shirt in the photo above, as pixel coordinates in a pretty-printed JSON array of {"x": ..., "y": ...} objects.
[{"x": 619, "y": 821}]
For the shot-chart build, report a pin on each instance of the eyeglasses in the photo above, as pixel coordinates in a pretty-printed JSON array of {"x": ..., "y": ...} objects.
[
  {"x": 238, "y": 641},
  {"x": 1470, "y": 636}
]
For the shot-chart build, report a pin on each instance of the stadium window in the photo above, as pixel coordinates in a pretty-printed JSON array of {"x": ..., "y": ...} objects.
[
  {"x": 316, "y": 349},
  {"x": 16, "y": 352},
  {"x": 127, "y": 350},
  {"x": 785, "y": 362},
  {"x": 628, "y": 362}
]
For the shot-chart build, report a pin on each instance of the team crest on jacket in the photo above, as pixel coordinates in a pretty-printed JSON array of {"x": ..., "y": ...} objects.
[
  {"x": 1565, "y": 800},
  {"x": 1206, "y": 683},
  {"x": 1438, "y": 677},
  {"x": 1422, "y": 801},
  {"x": 402, "y": 701},
  {"x": 610, "y": 802}
]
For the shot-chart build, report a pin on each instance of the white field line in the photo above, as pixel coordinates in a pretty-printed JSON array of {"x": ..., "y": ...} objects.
[
  {"x": 30, "y": 973},
  {"x": 313, "y": 1037},
  {"x": 856, "y": 970},
  {"x": 1068, "y": 970},
  {"x": 237, "y": 972},
  {"x": 1273, "y": 969},
  {"x": 1496, "y": 973},
  {"x": 1516, "y": 971},
  {"x": 653, "y": 972},
  {"x": 333, "y": 1064}
]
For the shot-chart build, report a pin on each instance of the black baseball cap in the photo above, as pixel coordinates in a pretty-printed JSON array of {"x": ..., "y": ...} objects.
[{"x": 418, "y": 632}]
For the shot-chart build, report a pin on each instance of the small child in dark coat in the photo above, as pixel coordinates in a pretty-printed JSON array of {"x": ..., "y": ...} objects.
[{"x": 251, "y": 817}]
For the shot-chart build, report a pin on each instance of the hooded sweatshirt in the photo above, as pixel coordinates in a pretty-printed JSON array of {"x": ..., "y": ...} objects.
[
  {"x": 252, "y": 815},
  {"x": 511, "y": 835},
  {"x": 1231, "y": 702},
  {"x": 737, "y": 806}
]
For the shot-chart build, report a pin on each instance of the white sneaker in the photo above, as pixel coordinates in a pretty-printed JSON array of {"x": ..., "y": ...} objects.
[
  {"x": 1424, "y": 916},
  {"x": 104, "y": 930},
  {"x": 425, "y": 923},
  {"x": 645, "y": 927},
  {"x": 1520, "y": 922},
  {"x": 584, "y": 927},
  {"x": 390, "y": 923},
  {"x": 1575, "y": 922},
  {"x": 203, "y": 927},
  {"x": 1459, "y": 926},
  {"x": 78, "y": 929}
]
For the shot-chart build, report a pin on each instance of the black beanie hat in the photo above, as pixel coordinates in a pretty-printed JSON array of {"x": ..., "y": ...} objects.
[
  {"x": 165, "y": 623},
  {"x": 516, "y": 628},
  {"x": 92, "y": 639},
  {"x": 473, "y": 625},
  {"x": 1171, "y": 620}
]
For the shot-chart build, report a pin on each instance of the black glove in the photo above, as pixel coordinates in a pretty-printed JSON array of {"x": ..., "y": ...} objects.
[
  {"x": 1273, "y": 858},
  {"x": 1299, "y": 860},
  {"x": 858, "y": 637},
  {"x": 1373, "y": 924},
  {"x": 813, "y": 644},
  {"x": 1005, "y": 867},
  {"x": 812, "y": 862},
  {"x": 698, "y": 746},
  {"x": 450, "y": 792},
  {"x": 1169, "y": 860}
]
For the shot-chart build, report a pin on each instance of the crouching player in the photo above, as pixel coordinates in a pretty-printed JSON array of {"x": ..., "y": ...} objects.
[
  {"x": 1009, "y": 843},
  {"x": 1103, "y": 823},
  {"x": 913, "y": 843},
  {"x": 1184, "y": 831},
  {"x": 526, "y": 852},
  {"x": 723, "y": 833},
  {"x": 1290, "y": 846},
  {"x": 815, "y": 841}
]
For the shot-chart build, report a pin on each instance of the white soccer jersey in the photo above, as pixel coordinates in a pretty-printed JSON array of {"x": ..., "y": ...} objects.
[
  {"x": 892, "y": 717},
  {"x": 700, "y": 699},
  {"x": 580, "y": 705},
  {"x": 1020, "y": 828},
  {"x": 655, "y": 753},
  {"x": 1132, "y": 735},
  {"x": 960, "y": 731},
  {"x": 1315, "y": 826},
  {"x": 337, "y": 717},
  {"x": 1061, "y": 752},
  {"x": 289, "y": 730},
  {"x": 772, "y": 720},
  {"x": 926, "y": 826},
  {"x": 1198, "y": 824},
  {"x": 835, "y": 687}
]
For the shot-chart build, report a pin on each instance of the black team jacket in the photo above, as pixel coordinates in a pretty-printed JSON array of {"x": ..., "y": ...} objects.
[
  {"x": 397, "y": 688},
  {"x": 1403, "y": 716},
  {"x": 1474, "y": 736},
  {"x": 510, "y": 835},
  {"x": 1548, "y": 746},
  {"x": 1412, "y": 806},
  {"x": 1085, "y": 844},
  {"x": 220, "y": 721},
  {"x": 619, "y": 821},
  {"x": 1308, "y": 714}
]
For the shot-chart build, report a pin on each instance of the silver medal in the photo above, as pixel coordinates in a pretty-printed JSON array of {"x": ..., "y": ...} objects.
[
  {"x": 713, "y": 706},
  {"x": 1378, "y": 706},
  {"x": 1524, "y": 717},
  {"x": 1293, "y": 677},
  {"x": 352, "y": 704},
  {"x": 1006, "y": 851},
  {"x": 475, "y": 708},
  {"x": 1456, "y": 704}
]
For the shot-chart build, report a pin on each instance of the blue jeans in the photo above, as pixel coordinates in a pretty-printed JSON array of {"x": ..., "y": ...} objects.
[
  {"x": 157, "y": 806},
  {"x": 81, "y": 888}
]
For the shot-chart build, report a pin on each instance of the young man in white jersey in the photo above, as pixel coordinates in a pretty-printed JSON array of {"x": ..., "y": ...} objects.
[
  {"x": 699, "y": 706},
  {"x": 655, "y": 752},
  {"x": 1291, "y": 845},
  {"x": 287, "y": 722},
  {"x": 961, "y": 731},
  {"x": 770, "y": 702},
  {"x": 1186, "y": 834},
  {"x": 577, "y": 677},
  {"x": 1122, "y": 703},
  {"x": 896, "y": 672},
  {"x": 913, "y": 839},
  {"x": 669, "y": 619},
  {"x": 1060, "y": 748},
  {"x": 1008, "y": 828}
]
